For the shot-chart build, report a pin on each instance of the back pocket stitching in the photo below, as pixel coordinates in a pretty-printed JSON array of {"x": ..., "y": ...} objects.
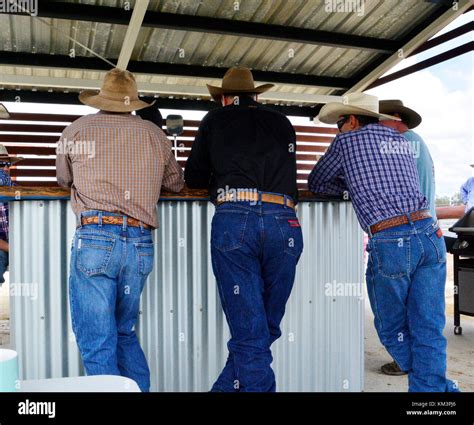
[{"x": 408, "y": 257}]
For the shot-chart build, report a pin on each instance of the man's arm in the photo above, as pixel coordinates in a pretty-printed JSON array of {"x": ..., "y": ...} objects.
[
  {"x": 197, "y": 172},
  {"x": 327, "y": 176},
  {"x": 173, "y": 179},
  {"x": 450, "y": 212},
  {"x": 63, "y": 162},
  {"x": 4, "y": 245},
  {"x": 464, "y": 192}
]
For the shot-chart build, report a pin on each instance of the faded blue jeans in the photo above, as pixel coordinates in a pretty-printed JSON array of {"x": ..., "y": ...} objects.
[
  {"x": 255, "y": 250},
  {"x": 406, "y": 277},
  {"x": 109, "y": 266}
]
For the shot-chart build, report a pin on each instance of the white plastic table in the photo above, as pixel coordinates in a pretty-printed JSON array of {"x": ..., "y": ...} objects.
[{"x": 81, "y": 384}]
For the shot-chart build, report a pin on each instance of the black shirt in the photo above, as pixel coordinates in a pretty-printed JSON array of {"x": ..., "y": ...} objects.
[{"x": 245, "y": 146}]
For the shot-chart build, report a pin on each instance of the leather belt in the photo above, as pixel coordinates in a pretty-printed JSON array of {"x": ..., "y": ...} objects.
[
  {"x": 399, "y": 220},
  {"x": 250, "y": 196},
  {"x": 111, "y": 219}
]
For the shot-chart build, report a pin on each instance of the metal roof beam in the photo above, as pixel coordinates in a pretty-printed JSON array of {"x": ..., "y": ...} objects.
[
  {"x": 64, "y": 83},
  {"x": 163, "y": 103},
  {"x": 132, "y": 33},
  {"x": 427, "y": 29},
  {"x": 441, "y": 39},
  {"x": 160, "y": 68},
  {"x": 442, "y": 57},
  {"x": 174, "y": 21}
]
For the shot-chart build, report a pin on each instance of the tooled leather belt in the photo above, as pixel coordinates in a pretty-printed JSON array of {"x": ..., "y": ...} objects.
[
  {"x": 399, "y": 220},
  {"x": 110, "y": 219}
]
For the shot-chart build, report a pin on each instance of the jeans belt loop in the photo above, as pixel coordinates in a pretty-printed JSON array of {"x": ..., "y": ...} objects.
[
  {"x": 100, "y": 219},
  {"x": 369, "y": 232},
  {"x": 124, "y": 223},
  {"x": 285, "y": 201},
  {"x": 259, "y": 192}
]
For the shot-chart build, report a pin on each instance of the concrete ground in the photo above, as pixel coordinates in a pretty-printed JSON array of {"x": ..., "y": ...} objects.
[{"x": 460, "y": 348}]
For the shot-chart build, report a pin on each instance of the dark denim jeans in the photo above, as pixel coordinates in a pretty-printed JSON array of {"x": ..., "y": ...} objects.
[
  {"x": 406, "y": 277},
  {"x": 255, "y": 250},
  {"x": 3, "y": 265},
  {"x": 109, "y": 266}
]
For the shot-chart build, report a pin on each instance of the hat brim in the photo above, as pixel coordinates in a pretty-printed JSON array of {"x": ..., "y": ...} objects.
[
  {"x": 332, "y": 111},
  {"x": 94, "y": 99},
  {"x": 12, "y": 159},
  {"x": 4, "y": 114},
  {"x": 217, "y": 92},
  {"x": 410, "y": 117}
]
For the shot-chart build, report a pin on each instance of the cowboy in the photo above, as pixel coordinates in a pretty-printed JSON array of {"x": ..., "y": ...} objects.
[
  {"x": 244, "y": 153},
  {"x": 115, "y": 164},
  {"x": 406, "y": 269},
  {"x": 409, "y": 119},
  {"x": 6, "y": 161},
  {"x": 467, "y": 193}
]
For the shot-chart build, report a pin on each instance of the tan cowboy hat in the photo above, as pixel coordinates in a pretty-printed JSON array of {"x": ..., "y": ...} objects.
[
  {"x": 4, "y": 156},
  {"x": 4, "y": 114},
  {"x": 237, "y": 80},
  {"x": 118, "y": 93},
  {"x": 353, "y": 104},
  {"x": 411, "y": 118}
]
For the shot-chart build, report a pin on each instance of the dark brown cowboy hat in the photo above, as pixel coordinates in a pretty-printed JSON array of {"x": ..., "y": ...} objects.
[
  {"x": 4, "y": 114},
  {"x": 411, "y": 118},
  {"x": 118, "y": 93},
  {"x": 237, "y": 80}
]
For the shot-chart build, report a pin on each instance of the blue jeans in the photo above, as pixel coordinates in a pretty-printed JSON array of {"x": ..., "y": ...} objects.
[
  {"x": 3, "y": 265},
  {"x": 406, "y": 276},
  {"x": 255, "y": 249},
  {"x": 109, "y": 266}
]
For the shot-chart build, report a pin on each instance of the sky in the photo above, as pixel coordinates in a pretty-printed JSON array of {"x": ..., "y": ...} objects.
[{"x": 442, "y": 95}]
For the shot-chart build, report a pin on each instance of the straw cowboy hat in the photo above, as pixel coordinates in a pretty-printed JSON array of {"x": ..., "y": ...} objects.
[
  {"x": 118, "y": 93},
  {"x": 237, "y": 80},
  {"x": 411, "y": 118},
  {"x": 353, "y": 104},
  {"x": 4, "y": 156},
  {"x": 4, "y": 114}
]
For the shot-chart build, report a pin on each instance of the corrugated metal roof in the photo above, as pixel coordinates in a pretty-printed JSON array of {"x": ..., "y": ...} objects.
[{"x": 381, "y": 19}]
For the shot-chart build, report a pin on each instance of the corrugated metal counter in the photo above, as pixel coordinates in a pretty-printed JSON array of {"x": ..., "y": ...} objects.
[{"x": 182, "y": 328}]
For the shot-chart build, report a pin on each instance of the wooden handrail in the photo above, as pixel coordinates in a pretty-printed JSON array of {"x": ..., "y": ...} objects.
[{"x": 26, "y": 193}]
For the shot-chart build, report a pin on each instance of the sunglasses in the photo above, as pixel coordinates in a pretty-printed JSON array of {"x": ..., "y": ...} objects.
[
  {"x": 5, "y": 164},
  {"x": 341, "y": 122}
]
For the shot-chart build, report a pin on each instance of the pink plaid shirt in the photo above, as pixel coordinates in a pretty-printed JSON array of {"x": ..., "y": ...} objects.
[{"x": 117, "y": 163}]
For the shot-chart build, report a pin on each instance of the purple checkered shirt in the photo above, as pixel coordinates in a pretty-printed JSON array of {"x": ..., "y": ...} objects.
[{"x": 376, "y": 167}]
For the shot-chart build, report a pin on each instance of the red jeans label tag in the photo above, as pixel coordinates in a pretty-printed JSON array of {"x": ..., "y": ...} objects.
[
  {"x": 439, "y": 233},
  {"x": 294, "y": 223}
]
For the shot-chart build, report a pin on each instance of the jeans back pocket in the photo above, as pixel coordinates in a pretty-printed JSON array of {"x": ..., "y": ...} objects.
[
  {"x": 292, "y": 235},
  {"x": 145, "y": 255},
  {"x": 94, "y": 253},
  {"x": 228, "y": 230},
  {"x": 392, "y": 255},
  {"x": 436, "y": 242}
]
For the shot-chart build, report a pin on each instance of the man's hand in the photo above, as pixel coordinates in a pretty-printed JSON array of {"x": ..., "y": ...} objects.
[{"x": 4, "y": 245}]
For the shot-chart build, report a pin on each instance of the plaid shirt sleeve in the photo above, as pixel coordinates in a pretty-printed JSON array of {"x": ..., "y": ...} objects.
[
  {"x": 63, "y": 163},
  {"x": 327, "y": 176},
  {"x": 173, "y": 179}
]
